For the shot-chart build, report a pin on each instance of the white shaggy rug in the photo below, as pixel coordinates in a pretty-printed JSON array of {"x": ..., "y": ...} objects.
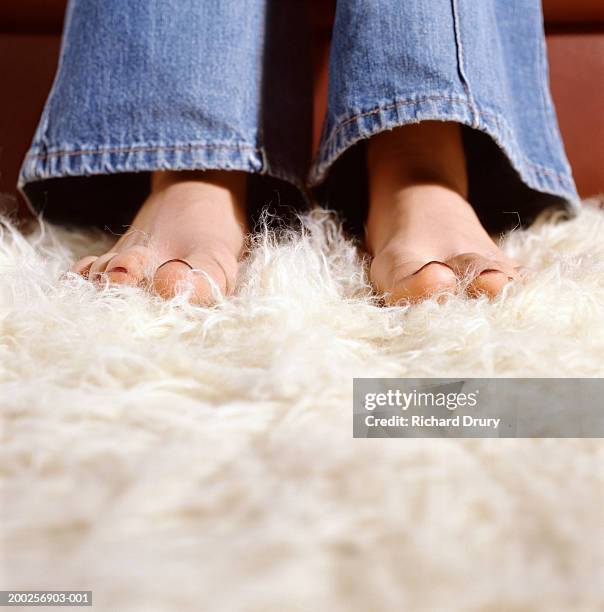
[{"x": 173, "y": 458}]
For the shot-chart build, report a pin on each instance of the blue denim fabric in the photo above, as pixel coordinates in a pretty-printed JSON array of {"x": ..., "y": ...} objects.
[{"x": 144, "y": 85}]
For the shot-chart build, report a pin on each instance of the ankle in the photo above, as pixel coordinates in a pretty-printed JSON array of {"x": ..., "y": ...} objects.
[
  {"x": 231, "y": 180},
  {"x": 221, "y": 195},
  {"x": 429, "y": 152}
]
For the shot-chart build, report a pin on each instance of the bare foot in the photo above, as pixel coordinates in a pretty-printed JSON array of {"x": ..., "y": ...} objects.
[
  {"x": 424, "y": 235},
  {"x": 189, "y": 231}
]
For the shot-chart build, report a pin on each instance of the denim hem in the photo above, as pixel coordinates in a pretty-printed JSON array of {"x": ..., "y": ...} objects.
[
  {"x": 112, "y": 159},
  {"x": 439, "y": 107}
]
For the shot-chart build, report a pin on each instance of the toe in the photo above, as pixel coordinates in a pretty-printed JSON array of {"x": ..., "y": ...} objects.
[
  {"x": 483, "y": 275},
  {"x": 98, "y": 266},
  {"x": 488, "y": 282},
  {"x": 130, "y": 267},
  {"x": 82, "y": 266},
  {"x": 471, "y": 265},
  {"x": 432, "y": 279},
  {"x": 210, "y": 276},
  {"x": 402, "y": 275}
]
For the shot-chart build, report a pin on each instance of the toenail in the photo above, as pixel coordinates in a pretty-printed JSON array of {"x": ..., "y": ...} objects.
[{"x": 119, "y": 269}]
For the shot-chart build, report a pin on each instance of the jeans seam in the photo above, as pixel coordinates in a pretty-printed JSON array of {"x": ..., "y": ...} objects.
[
  {"x": 548, "y": 111},
  {"x": 275, "y": 171},
  {"x": 405, "y": 102},
  {"x": 138, "y": 149},
  {"x": 385, "y": 107},
  {"x": 461, "y": 63},
  {"x": 458, "y": 99}
]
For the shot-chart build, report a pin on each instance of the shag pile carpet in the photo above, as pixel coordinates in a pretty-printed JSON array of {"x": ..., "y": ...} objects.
[{"x": 174, "y": 458}]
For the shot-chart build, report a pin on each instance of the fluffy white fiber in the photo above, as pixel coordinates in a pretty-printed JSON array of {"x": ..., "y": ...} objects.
[{"x": 173, "y": 458}]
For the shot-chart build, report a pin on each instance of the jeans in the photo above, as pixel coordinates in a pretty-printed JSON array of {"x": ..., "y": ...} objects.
[{"x": 146, "y": 85}]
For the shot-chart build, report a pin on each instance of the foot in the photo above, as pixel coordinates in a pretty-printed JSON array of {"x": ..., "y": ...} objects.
[
  {"x": 424, "y": 235},
  {"x": 188, "y": 235}
]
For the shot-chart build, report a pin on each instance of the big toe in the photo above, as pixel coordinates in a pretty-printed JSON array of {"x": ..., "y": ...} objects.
[
  {"x": 130, "y": 267},
  {"x": 411, "y": 282},
  {"x": 432, "y": 279},
  {"x": 203, "y": 276}
]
